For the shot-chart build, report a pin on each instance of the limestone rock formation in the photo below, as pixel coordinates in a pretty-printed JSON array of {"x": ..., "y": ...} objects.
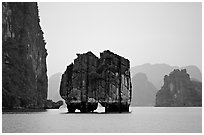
[
  {"x": 179, "y": 90},
  {"x": 156, "y": 72},
  {"x": 76, "y": 87},
  {"x": 24, "y": 71},
  {"x": 144, "y": 92},
  {"x": 91, "y": 80}
]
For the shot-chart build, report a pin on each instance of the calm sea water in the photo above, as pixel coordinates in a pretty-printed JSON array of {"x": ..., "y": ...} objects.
[{"x": 140, "y": 120}]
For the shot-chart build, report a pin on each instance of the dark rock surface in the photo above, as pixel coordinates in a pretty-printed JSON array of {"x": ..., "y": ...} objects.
[
  {"x": 91, "y": 80},
  {"x": 144, "y": 92},
  {"x": 24, "y": 71},
  {"x": 49, "y": 104},
  {"x": 75, "y": 81},
  {"x": 179, "y": 90}
]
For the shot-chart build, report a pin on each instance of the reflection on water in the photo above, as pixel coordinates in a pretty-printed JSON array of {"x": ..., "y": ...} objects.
[{"x": 141, "y": 119}]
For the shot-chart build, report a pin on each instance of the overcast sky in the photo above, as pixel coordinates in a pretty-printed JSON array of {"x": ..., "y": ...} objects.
[{"x": 168, "y": 33}]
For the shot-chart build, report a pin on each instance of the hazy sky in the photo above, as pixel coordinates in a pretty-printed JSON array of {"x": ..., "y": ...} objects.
[{"x": 168, "y": 33}]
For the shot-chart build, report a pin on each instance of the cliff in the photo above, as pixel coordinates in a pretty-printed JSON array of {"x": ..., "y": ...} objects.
[
  {"x": 24, "y": 77},
  {"x": 155, "y": 72},
  {"x": 144, "y": 92},
  {"x": 91, "y": 80},
  {"x": 179, "y": 90}
]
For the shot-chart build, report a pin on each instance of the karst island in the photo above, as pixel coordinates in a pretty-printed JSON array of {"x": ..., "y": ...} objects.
[{"x": 91, "y": 80}]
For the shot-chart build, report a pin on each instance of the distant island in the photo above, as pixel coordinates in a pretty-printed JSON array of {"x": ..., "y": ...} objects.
[
  {"x": 147, "y": 80},
  {"x": 155, "y": 72},
  {"x": 144, "y": 92},
  {"x": 179, "y": 91}
]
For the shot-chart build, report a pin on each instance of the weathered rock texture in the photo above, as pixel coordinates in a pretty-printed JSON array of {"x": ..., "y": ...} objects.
[
  {"x": 179, "y": 90},
  {"x": 90, "y": 80},
  {"x": 49, "y": 104},
  {"x": 24, "y": 78}
]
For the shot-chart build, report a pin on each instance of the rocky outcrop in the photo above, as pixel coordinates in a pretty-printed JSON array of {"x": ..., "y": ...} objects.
[
  {"x": 76, "y": 88},
  {"x": 49, "y": 104},
  {"x": 155, "y": 72},
  {"x": 91, "y": 80},
  {"x": 179, "y": 90},
  {"x": 24, "y": 71},
  {"x": 144, "y": 92}
]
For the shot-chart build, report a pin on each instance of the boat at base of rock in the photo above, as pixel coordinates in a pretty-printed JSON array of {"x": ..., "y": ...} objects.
[{"x": 91, "y": 80}]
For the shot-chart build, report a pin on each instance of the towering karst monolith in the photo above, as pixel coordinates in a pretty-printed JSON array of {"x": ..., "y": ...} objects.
[
  {"x": 91, "y": 80},
  {"x": 24, "y": 71}
]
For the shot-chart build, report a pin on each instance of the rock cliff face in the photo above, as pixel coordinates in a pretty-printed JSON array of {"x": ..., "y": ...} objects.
[
  {"x": 91, "y": 80},
  {"x": 144, "y": 92},
  {"x": 24, "y": 77},
  {"x": 179, "y": 90}
]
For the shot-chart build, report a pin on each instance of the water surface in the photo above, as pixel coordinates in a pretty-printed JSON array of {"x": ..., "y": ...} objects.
[{"x": 140, "y": 120}]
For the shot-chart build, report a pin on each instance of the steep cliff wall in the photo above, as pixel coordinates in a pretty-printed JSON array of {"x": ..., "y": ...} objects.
[
  {"x": 179, "y": 90},
  {"x": 91, "y": 80},
  {"x": 24, "y": 78}
]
